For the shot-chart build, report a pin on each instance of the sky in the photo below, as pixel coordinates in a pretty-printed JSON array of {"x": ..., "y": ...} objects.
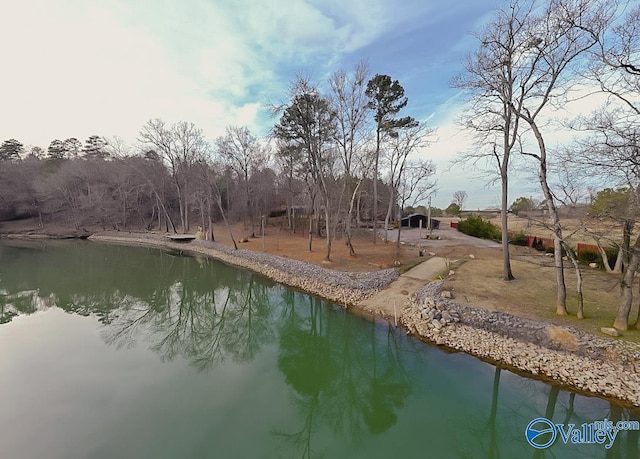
[{"x": 75, "y": 68}]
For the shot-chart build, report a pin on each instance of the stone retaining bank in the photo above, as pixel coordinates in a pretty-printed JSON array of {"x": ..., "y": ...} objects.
[
  {"x": 346, "y": 288},
  {"x": 592, "y": 364}
]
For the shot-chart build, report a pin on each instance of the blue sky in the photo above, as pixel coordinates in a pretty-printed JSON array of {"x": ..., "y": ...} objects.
[{"x": 79, "y": 68}]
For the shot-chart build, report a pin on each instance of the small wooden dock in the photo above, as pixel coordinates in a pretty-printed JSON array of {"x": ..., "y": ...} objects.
[{"x": 181, "y": 237}]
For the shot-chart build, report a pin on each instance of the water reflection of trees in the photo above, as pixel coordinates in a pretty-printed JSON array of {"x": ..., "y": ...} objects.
[
  {"x": 191, "y": 307},
  {"x": 497, "y": 437},
  {"x": 626, "y": 443},
  {"x": 79, "y": 277},
  {"x": 344, "y": 378},
  {"x": 210, "y": 314}
]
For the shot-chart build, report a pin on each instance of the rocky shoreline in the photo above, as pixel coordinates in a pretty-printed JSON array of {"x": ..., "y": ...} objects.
[
  {"x": 587, "y": 363},
  {"x": 345, "y": 288},
  {"x": 584, "y": 362}
]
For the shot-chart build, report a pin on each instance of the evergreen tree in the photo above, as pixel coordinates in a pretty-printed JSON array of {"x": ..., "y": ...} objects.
[{"x": 10, "y": 149}]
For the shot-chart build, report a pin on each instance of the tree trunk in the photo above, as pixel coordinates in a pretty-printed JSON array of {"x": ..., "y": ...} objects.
[
  {"x": 324, "y": 192},
  {"x": 347, "y": 231},
  {"x": 506, "y": 256},
  {"x": 576, "y": 265},
  {"x": 185, "y": 196},
  {"x": 605, "y": 257},
  {"x": 561, "y": 299},
  {"x": 159, "y": 215},
  {"x": 180, "y": 203},
  {"x": 203, "y": 225},
  {"x": 166, "y": 214},
  {"x": 327, "y": 215},
  {"x": 311, "y": 233},
  {"x": 358, "y": 207},
  {"x": 290, "y": 212},
  {"x": 318, "y": 221},
  {"x": 226, "y": 224},
  {"x": 637, "y": 322},
  {"x": 186, "y": 217},
  {"x": 124, "y": 211},
  {"x": 252, "y": 226},
  {"x": 618, "y": 267},
  {"x": 210, "y": 221},
  {"x": 387, "y": 217},
  {"x": 627, "y": 229},
  {"x": 622, "y": 318},
  {"x": 375, "y": 186}
]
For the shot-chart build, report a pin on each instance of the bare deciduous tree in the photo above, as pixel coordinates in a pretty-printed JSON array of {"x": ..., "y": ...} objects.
[
  {"x": 416, "y": 184},
  {"x": 531, "y": 52},
  {"x": 407, "y": 141},
  {"x": 490, "y": 77},
  {"x": 349, "y": 102},
  {"x": 244, "y": 154},
  {"x": 616, "y": 70},
  {"x": 459, "y": 197},
  {"x": 180, "y": 146},
  {"x": 557, "y": 37}
]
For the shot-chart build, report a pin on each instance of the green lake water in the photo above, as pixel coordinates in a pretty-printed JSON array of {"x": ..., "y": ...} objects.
[{"x": 109, "y": 351}]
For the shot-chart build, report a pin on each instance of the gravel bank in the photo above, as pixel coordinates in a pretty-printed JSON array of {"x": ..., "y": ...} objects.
[
  {"x": 347, "y": 288},
  {"x": 592, "y": 364}
]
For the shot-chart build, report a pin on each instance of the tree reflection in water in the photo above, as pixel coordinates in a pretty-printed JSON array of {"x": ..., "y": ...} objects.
[
  {"x": 206, "y": 316},
  {"x": 341, "y": 375},
  {"x": 350, "y": 378},
  {"x": 182, "y": 306}
]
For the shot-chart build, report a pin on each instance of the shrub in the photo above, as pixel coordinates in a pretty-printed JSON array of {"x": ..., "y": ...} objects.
[
  {"x": 537, "y": 244},
  {"x": 277, "y": 213},
  {"x": 587, "y": 256},
  {"x": 519, "y": 239},
  {"x": 476, "y": 226}
]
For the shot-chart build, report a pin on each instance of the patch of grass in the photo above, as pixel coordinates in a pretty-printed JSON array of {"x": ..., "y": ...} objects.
[
  {"x": 410, "y": 264},
  {"x": 533, "y": 293},
  {"x": 451, "y": 264}
]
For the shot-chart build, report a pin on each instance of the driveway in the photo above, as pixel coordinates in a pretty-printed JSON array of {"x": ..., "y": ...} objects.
[
  {"x": 443, "y": 237},
  {"x": 390, "y": 301}
]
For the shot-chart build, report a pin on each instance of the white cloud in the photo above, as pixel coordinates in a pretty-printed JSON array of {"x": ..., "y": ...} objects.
[{"x": 78, "y": 71}]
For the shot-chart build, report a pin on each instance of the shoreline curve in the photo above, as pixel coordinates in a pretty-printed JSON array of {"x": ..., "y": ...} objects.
[{"x": 585, "y": 363}]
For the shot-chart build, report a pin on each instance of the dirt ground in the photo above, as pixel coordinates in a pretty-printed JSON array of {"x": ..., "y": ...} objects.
[{"x": 282, "y": 242}]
